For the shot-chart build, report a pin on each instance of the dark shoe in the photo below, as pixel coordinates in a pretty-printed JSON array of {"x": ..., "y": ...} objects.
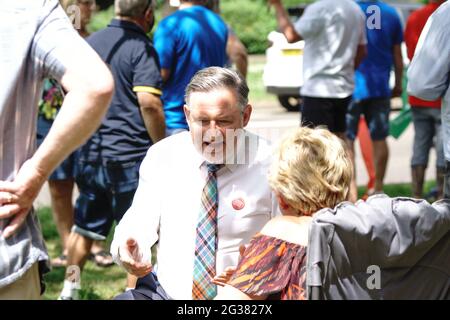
[{"x": 102, "y": 259}]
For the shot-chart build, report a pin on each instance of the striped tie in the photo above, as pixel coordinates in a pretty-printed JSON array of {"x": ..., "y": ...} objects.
[{"x": 206, "y": 240}]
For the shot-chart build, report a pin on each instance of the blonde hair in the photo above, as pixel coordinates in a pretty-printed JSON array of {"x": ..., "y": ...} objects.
[{"x": 311, "y": 170}]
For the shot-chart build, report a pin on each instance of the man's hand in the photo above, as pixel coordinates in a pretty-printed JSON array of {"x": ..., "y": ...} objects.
[
  {"x": 223, "y": 278},
  {"x": 131, "y": 259},
  {"x": 16, "y": 197}
]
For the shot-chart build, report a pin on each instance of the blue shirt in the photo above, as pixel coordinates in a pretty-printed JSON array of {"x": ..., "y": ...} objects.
[
  {"x": 133, "y": 61},
  {"x": 187, "y": 41},
  {"x": 372, "y": 76}
]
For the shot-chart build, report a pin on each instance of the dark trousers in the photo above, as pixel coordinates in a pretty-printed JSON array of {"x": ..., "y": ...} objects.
[{"x": 147, "y": 288}]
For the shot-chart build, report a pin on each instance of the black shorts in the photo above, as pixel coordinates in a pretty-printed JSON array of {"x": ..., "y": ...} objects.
[{"x": 329, "y": 112}]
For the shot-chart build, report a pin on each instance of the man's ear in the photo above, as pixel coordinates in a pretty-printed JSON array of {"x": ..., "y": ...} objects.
[
  {"x": 148, "y": 13},
  {"x": 246, "y": 114},
  {"x": 187, "y": 114}
]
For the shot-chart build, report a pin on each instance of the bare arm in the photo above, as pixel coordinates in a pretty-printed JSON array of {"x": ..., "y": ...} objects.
[
  {"x": 153, "y": 115},
  {"x": 238, "y": 54},
  {"x": 361, "y": 53},
  {"x": 284, "y": 23},
  {"x": 398, "y": 70},
  {"x": 165, "y": 74}
]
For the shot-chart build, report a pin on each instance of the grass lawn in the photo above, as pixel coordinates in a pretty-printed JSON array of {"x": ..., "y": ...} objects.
[{"x": 105, "y": 283}]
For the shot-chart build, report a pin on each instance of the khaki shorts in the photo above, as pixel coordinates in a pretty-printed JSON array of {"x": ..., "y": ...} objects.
[{"x": 26, "y": 288}]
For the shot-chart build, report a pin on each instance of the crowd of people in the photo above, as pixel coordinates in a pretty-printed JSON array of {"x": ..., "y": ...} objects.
[{"x": 152, "y": 133}]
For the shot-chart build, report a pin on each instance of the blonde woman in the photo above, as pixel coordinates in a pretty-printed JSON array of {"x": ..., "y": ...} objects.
[{"x": 311, "y": 171}]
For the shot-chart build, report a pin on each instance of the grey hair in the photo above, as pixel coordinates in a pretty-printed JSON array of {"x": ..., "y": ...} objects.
[
  {"x": 213, "y": 78},
  {"x": 132, "y": 8}
]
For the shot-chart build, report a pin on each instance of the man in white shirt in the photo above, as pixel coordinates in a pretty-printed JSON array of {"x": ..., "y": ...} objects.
[
  {"x": 429, "y": 73},
  {"x": 170, "y": 194},
  {"x": 335, "y": 43}
]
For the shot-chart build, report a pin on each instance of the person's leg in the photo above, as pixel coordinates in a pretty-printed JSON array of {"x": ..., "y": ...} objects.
[
  {"x": 423, "y": 140},
  {"x": 92, "y": 222},
  {"x": 447, "y": 180},
  {"x": 79, "y": 248},
  {"x": 377, "y": 116},
  {"x": 440, "y": 159},
  {"x": 381, "y": 152},
  {"x": 352, "y": 120},
  {"x": 62, "y": 208}
]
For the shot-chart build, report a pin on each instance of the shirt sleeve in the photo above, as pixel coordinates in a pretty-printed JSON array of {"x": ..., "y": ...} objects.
[
  {"x": 398, "y": 30},
  {"x": 56, "y": 42},
  {"x": 429, "y": 71},
  {"x": 147, "y": 73},
  {"x": 165, "y": 43},
  {"x": 141, "y": 221},
  {"x": 311, "y": 22}
]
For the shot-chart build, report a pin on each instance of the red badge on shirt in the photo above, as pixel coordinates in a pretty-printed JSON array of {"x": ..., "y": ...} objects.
[{"x": 238, "y": 204}]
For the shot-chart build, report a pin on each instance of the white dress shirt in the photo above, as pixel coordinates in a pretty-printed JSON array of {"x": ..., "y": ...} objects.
[
  {"x": 332, "y": 30},
  {"x": 429, "y": 71},
  {"x": 167, "y": 204}
]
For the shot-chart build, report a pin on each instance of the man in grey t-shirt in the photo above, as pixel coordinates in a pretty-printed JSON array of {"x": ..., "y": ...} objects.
[
  {"x": 37, "y": 40},
  {"x": 335, "y": 43},
  {"x": 429, "y": 73}
]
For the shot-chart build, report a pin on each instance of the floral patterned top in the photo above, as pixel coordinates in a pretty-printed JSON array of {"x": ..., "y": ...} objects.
[
  {"x": 272, "y": 267},
  {"x": 52, "y": 99}
]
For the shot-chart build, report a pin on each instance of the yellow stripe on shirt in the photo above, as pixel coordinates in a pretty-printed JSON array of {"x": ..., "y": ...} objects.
[{"x": 147, "y": 89}]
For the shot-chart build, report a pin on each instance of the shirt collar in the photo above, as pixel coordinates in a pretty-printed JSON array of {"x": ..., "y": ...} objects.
[{"x": 117, "y": 23}]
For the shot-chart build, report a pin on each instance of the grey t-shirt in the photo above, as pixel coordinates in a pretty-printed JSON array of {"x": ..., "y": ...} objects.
[
  {"x": 35, "y": 39},
  {"x": 332, "y": 30},
  {"x": 429, "y": 72}
]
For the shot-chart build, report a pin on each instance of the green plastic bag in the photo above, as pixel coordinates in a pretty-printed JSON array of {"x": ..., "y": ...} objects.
[{"x": 399, "y": 124}]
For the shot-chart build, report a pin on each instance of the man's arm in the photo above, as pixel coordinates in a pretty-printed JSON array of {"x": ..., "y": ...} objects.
[
  {"x": 89, "y": 85},
  {"x": 237, "y": 53},
  {"x": 165, "y": 74},
  {"x": 138, "y": 230},
  {"x": 398, "y": 70},
  {"x": 284, "y": 23},
  {"x": 153, "y": 115}
]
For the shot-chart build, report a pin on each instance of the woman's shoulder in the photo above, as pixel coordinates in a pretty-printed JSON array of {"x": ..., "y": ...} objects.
[{"x": 289, "y": 229}]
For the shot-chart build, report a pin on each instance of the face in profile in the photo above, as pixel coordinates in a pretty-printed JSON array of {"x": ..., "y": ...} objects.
[
  {"x": 215, "y": 121},
  {"x": 86, "y": 9}
]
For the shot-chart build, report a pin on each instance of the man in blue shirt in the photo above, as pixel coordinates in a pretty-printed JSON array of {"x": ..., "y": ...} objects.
[
  {"x": 187, "y": 41},
  {"x": 372, "y": 94},
  {"x": 107, "y": 172}
]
